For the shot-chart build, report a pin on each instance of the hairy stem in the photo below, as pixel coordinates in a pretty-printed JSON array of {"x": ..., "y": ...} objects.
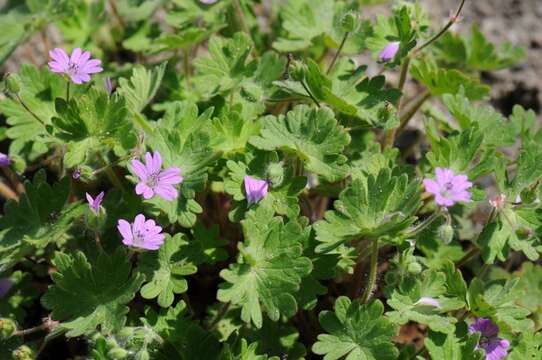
[
  {"x": 412, "y": 109},
  {"x": 448, "y": 25},
  {"x": 219, "y": 315},
  {"x": 68, "y": 91},
  {"x": 28, "y": 109},
  {"x": 369, "y": 289},
  {"x": 309, "y": 93},
  {"x": 7, "y": 193},
  {"x": 345, "y": 37},
  {"x": 243, "y": 23},
  {"x": 391, "y": 134},
  {"x": 424, "y": 224}
]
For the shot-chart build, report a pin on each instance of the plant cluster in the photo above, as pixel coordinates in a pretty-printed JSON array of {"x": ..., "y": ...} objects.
[{"x": 238, "y": 179}]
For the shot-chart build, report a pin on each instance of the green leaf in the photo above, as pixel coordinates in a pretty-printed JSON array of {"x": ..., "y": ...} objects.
[
  {"x": 350, "y": 92},
  {"x": 303, "y": 21},
  {"x": 504, "y": 234},
  {"x": 183, "y": 143},
  {"x": 85, "y": 295},
  {"x": 441, "y": 81},
  {"x": 531, "y": 285},
  {"x": 142, "y": 86},
  {"x": 462, "y": 152},
  {"x": 451, "y": 347},
  {"x": 40, "y": 217},
  {"x": 243, "y": 351},
  {"x": 39, "y": 88},
  {"x": 93, "y": 123},
  {"x": 528, "y": 346},
  {"x": 312, "y": 134},
  {"x": 376, "y": 206},
  {"x": 165, "y": 270},
  {"x": 476, "y": 52},
  {"x": 231, "y": 131},
  {"x": 357, "y": 331},
  {"x": 206, "y": 246},
  {"x": 181, "y": 338},
  {"x": 496, "y": 129},
  {"x": 269, "y": 268},
  {"x": 497, "y": 300},
  {"x": 433, "y": 285},
  {"x": 226, "y": 65}
]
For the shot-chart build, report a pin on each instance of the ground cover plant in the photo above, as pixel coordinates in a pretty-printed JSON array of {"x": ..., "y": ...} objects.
[{"x": 250, "y": 179}]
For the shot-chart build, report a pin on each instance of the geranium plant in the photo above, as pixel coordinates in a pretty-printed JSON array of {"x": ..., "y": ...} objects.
[{"x": 236, "y": 179}]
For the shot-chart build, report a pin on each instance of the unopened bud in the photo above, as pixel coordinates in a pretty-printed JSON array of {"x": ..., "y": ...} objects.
[
  {"x": 117, "y": 353},
  {"x": 13, "y": 83},
  {"x": 7, "y": 328},
  {"x": 298, "y": 70},
  {"x": 446, "y": 233},
  {"x": 275, "y": 173},
  {"x": 142, "y": 355},
  {"x": 414, "y": 268},
  {"x": 389, "y": 51},
  {"x": 348, "y": 22},
  {"x": 23, "y": 353}
]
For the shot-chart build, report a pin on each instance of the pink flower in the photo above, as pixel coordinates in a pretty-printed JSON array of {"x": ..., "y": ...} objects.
[
  {"x": 153, "y": 180},
  {"x": 428, "y": 301},
  {"x": 94, "y": 204},
  {"x": 108, "y": 85},
  {"x": 389, "y": 51},
  {"x": 144, "y": 234},
  {"x": 494, "y": 347},
  {"x": 78, "y": 66},
  {"x": 4, "y": 160},
  {"x": 255, "y": 189},
  {"x": 448, "y": 188}
]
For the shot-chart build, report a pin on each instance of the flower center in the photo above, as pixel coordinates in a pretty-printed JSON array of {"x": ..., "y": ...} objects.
[
  {"x": 152, "y": 180},
  {"x": 139, "y": 238},
  {"x": 73, "y": 68}
]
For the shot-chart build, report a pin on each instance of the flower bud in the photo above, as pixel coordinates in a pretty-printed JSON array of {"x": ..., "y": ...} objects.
[
  {"x": 117, "y": 353},
  {"x": 298, "y": 70},
  {"x": 389, "y": 51},
  {"x": 7, "y": 328},
  {"x": 414, "y": 268},
  {"x": 348, "y": 22},
  {"x": 446, "y": 233},
  {"x": 23, "y": 352},
  {"x": 13, "y": 83},
  {"x": 275, "y": 173}
]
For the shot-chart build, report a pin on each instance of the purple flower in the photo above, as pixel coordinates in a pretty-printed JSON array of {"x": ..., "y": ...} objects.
[
  {"x": 108, "y": 85},
  {"x": 78, "y": 66},
  {"x": 494, "y": 347},
  {"x": 76, "y": 174},
  {"x": 4, "y": 160},
  {"x": 427, "y": 301},
  {"x": 144, "y": 234},
  {"x": 448, "y": 188},
  {"x": 389, "y": 51},
  {"x": 5, "y": 285},
  {"x": 255, "y": 189},
  {"x": 94, "y": 204},
  {"x": 153, "y": 180}
]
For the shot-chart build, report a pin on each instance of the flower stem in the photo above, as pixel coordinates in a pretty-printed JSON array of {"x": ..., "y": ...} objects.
[
  {"x": 243, "y": 24},
  {"x": 111, "y": 174},
  {"x": 219, "y": 315},
  {"x": 369, "y": 289},
  {"x": 412, "y": 109},
  {"x": 7, "y": 193},
  {"x": 391, "y": 134},
  {"x": 424, "y": 224},
  {"x": 345, "y": 37},
  {"x": 309, "y": 93},
  {"x": 452, "y": 20},
  {"x": 28, "y": 109},
  {"x": 475, "y": 250},
  {"x": 68, "y": 91}
]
